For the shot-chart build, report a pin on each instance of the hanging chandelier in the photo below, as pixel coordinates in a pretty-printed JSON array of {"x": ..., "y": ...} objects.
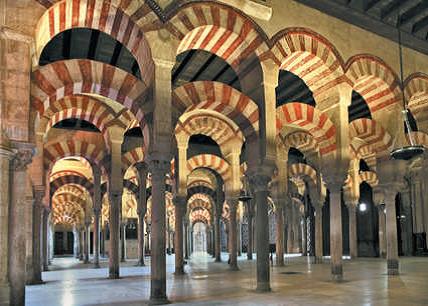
[
  {"x": 405, "y": 151},
  {"x": 245, "y": 195}
]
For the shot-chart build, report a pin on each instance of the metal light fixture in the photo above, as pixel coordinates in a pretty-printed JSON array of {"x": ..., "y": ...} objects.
[
  {"x": 245, "y": 195},
  {"x": 405, "y": 151}
]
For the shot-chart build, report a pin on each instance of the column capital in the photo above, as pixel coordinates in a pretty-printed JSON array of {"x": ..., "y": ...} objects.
[
  {"x": 180, "y": 200},
  {"x": 22, "y": 158},
  {"x": 259, "y": 181},
  {"x": 160, "y": 166}
]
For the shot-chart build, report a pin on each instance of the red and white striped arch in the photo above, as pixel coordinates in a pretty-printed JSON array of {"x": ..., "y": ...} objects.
[
  {"x": 416, "y": 93},
  {"x": 375, "y": 82},
  {"x": 209, "y": 125},
  {"x": 300, "y": 140},
  {"x": 200, "y": 215},
  {"x": 219, "y": 29},
  {"x": 372, "y": 133},
  {"x": 199, "y": 200},
  {"x": 67, "y": 213},
  {"x": 80, "y": 76},
  {"x": 58, "y": 150},
  {"x": 71, "y": 179},
  {"x": 311, "y": 57},
  {"x": 99, "y": 15},
  {"x": 132, "y": 157},
  {"x": 304, "y": 172},
  {"x": 311, "y": 120},
  {"x": 220, "y": 98},
  {"x": 76, "y": 190},
  {"x": 212, "y": 162},
  {"x": 369, "y": 177},
  {"x": 80, "y": 107}
]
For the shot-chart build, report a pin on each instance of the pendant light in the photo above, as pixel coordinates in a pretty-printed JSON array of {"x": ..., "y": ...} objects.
[
  {"x": 245, "y": 195},
  {"x": 411, "y": 150}
]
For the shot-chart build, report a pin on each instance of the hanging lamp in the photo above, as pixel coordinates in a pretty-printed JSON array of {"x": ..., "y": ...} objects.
[
  {"x": 405, "y": 151},
  {"x": 245, "y": 195}
]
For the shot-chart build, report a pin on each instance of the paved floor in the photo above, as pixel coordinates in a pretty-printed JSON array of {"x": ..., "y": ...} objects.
[{"x": 208, "y": 283}]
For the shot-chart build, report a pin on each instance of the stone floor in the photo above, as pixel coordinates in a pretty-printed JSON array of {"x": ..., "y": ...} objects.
[{"x": 207, "y": 283}]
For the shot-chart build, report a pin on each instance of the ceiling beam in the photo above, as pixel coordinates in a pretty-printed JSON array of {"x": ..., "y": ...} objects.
[
  {"x": 420, "y": 26},
  {"x": 413, "y": 13},
  {"x": 367, "y": 22},
  {"x": 393, "y": 9}
]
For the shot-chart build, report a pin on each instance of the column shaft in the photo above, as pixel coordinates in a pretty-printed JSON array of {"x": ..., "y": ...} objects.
[
  {"x": 318, "y": 235},
  {"x": 233, "y": 260},
  {"x": 115, "y": 205},
  {"x": 141, "y": 232},
  {"x": 158, "y": 257},
  {"x": 336, "y": 243},
  {"x": 353, "y": 243},
  {"x": 96, "y": 239},
  {"x": 17, "y": 242},
  {"x": 217, "y": 237},
  {"x": 250, "y": 237},
  {"x": 279, "y": 235},
  {"x": 36, "y": 258},
  {"x": 262, "y": 236},
  {"x": 186, "y": 240},
  {"x": 382, "y": 231},
  {"x": 45, "y": 247},
  {"x": 179, "y": 208},
  {"x": 391, "y": 235}
]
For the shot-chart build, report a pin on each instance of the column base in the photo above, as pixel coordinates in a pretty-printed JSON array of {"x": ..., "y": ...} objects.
[
  {"x": 97, "y": 266},
  {"x": 233, "y": 268},
  {"x": 113, "y": 274},
  {"x": 159, "y": 301},
  {"x": 217, "y": 260},
  {"x": 140, "y": 264},
  {"x": 5, "y": 294},
  {"x": 263, "y": 288},
  {"x": 122, "y": 260},
  {"x": 393, "y": 265},
  {"x": 34, "y": 282},
  {"x": 337, "y": 273},
  {"x": 318, "y": 259},
  {"x": 179, "y": 272}
]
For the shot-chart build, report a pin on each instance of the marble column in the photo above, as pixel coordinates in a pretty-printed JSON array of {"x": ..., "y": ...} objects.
[
  {"x": 141, "y": 210},
  {"x": 82, "y": 243},
  {"x": 297, "y": 229},
  {"x": 279, "y": 215},
  {"x": 17, "y": 243},
  {"x": 217, "y": 232},
  {"x": 97, "y": 215},
  {"x": 239, "y": 238},
  {"x": 123, "y": 241},
  {"x": 353, "y": 243},
  {"x": 382, "y": 230},
  {"x": 250, "y": 218},
  {"x": 180, "y": 209},
  {"x": 289, "y": 225},
  {"x": 318, "y": 234},
  {"x": 87, "y": 240},
  {"x": 158, "y": 169},
  {"x": 5, "y": 157},
  {"x": 186, "y": 239},
  {"x": 391, "y": 233},
  {"x": 114, "y": 224},
  {"x": 76, "y": 243},
  {"x": 97, "y": 201},
  {"x": 259, "y": 184},
  {"x": 233, "y": 260},
  {"x": 36, "y": 278},
  {"x": 336, "y": 242},
  {"x": 45, "y": 242}
]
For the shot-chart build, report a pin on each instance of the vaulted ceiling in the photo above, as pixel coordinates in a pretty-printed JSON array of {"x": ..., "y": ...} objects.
[{"x": 383, "y": 17}]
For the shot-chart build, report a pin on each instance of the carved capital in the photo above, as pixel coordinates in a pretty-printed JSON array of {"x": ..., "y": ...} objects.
[
  {"x": 259, "y": 182},
  {"x": 39, "y": 193},
  {"x": 22, "y": 159},
  {"x": 159, "y": 168}
]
